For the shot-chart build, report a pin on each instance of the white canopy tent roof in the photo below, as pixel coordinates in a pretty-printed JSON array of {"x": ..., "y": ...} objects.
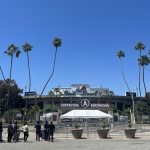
[
  {"x": 46, "y": 117},
  {"x": 85, "y": 114}
]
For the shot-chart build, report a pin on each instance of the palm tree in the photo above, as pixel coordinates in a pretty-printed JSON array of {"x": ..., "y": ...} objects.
[
  {"x": 11, "y": 51},
  {"x": 27, "y": 47},
  {"x": 121, "y": 54},
  {"x": 57, "y": 43},
  {"x": 139, "y": 47},
  {"x": 144, "y": 61}
]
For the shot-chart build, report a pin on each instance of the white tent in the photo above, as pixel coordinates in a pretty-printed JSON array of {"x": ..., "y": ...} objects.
[
  {"x": 85, "y": 114},
  {"x": 46, "y": 117}
]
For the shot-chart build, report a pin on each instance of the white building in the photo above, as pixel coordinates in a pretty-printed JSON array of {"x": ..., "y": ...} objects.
[{"x": 79, "y": 90}]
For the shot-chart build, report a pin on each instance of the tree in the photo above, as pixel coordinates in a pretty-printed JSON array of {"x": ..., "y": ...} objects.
[
  {"x": 144, "y": 61},
  {"x": 141, "y": 109},
  {"x": 14, "y": 92},
  {"x": 121, "y": 54},
  {"x": 11, "y": 51},
  {"x": 57, "y": 43},
  {"x": 139, "y": 47},
  {"x": 27, "y": 47},
  {"x": 48, "y": 108},
  {"x": 126, "y": 112},
  {"x": 34, "y": 110},
  {"x": 13, "y": 113}
]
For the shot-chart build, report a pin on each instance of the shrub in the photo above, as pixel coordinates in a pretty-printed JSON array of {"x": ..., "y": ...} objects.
[
  {"x": 104, "y": 125},
  {"x": 130, "y": 125},
  {"x": 76, "y": 125}
]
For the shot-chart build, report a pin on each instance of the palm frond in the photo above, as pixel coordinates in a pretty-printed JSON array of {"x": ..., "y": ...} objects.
[
  {"x": 27, "y": 47},
  {"x": 121, "y": 54},
  {"x": 18, "y": 53},
  {"x": 140, "y": 46},
  {"x": 144, "y": 60},
  {"x": 57, "y": 42}
]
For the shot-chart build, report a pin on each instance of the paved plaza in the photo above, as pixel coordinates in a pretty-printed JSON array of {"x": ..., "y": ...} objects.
[
  {"x": 66, "y": 142},
  {"x": 80, "y": 144}
]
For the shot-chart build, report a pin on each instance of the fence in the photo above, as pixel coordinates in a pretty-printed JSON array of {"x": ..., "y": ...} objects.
[{"x": 115, "y": 130}]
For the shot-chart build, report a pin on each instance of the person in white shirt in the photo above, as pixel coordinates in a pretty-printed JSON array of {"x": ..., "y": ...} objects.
[{"x": 25, "y": 131}]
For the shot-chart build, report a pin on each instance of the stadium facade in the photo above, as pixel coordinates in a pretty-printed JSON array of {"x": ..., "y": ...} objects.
[{"x": 81, "y": 96}]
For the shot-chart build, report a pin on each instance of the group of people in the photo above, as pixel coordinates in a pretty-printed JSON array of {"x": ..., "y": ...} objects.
[
  {"x": 49, "y": 129},
  {"x": 14, "y": 132}
]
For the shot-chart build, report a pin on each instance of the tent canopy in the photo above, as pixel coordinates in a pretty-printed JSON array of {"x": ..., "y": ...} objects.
[
  {"x": 85, "y": 114},
  {"x": 46, "y": 117}
]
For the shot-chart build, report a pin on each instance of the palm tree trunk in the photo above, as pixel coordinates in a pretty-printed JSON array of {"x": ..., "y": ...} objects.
[
  {"x": 144, "y": 80},
  {"x": 140, "y": 81},
  {"x": 11, "y": 61},
  {"x": 133, "y": 103},
  {"x": 140, "y": 77},
  {"x": 8, "y": 101},
  {"x": 51, "y": 73},
  {"x": 2, "y": 73},
  {"x": 29, "y": 71}
]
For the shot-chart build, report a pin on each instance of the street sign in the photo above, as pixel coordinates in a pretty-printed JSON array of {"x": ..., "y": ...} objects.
[{"x": 33, "y": 93}]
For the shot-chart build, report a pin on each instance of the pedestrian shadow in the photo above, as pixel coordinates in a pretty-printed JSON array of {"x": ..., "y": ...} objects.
[
  {"x": 83, "y": 138},
  {"x": 5, "y": 142},
  {"x": 135, "y": 137},
  {"x": 109, "y": 138}
]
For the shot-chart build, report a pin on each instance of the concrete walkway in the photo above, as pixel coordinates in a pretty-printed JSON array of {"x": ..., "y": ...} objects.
[
  {"x": 88, "y": 142},
  {"x": 80, "y": 144}
]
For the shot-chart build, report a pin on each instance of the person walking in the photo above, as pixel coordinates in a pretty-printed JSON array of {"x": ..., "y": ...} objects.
[
  {"x": 46, "y": 130},
  {"x": 38, "y": 131},
  {"x": 51, "y": 130},
  {"x": 25, "y": 132},
  {"x": 10, "y": 132},
  {"x": 15, "y": 131}
]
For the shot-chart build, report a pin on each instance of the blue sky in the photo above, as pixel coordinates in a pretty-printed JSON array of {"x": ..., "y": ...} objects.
[{"x": 92, "y": 31}]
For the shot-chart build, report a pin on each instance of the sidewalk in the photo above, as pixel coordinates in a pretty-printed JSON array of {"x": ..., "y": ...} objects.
[
  {"x": 91, "y": 141},
  {"x": 116, "y": 143},
  {"x": 65, "y": 141},
  {"x": 62, "y": 136}
]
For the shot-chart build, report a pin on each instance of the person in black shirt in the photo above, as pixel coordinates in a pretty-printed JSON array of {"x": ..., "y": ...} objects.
[
  {"x": 51, "y": 130},
  {"x": 10, "y": 131},
  {"x": 38, "y": 131},
  {"x": 46, "y": 130}
]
